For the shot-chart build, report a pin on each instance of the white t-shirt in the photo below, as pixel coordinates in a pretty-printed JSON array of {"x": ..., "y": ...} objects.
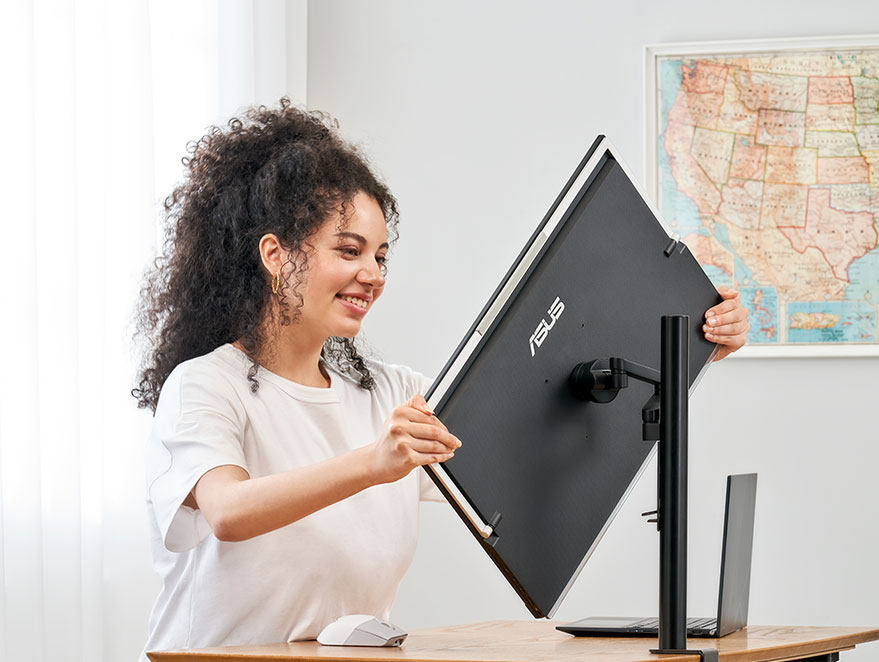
[{"x": 288, "y": 584}]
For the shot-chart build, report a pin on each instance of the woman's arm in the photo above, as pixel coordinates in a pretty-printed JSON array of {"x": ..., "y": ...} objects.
[{"x": 239, "y": 507}]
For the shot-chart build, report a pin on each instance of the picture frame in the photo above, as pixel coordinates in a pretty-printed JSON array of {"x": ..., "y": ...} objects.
[{"x": 776, "y": 237}]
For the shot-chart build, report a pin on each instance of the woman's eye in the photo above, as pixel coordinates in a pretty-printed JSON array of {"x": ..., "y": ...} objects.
[{"x": 349, "y": 251}]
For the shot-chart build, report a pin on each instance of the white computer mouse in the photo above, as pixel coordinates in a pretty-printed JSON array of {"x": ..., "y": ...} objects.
[{"x": 361, "y": 630}]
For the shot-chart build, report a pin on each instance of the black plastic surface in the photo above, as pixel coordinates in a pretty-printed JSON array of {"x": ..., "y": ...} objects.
[{"x": 554, "y": 467}]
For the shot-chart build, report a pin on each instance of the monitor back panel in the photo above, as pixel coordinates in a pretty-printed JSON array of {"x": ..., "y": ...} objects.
[{"x": 555, "y": 468}]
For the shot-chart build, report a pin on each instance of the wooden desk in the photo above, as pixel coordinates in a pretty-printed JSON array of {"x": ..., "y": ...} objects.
[{"x": 536, "y": 641}]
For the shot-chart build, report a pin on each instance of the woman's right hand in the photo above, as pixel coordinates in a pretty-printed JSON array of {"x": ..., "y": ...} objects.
[{"x": 411, "y": 437}]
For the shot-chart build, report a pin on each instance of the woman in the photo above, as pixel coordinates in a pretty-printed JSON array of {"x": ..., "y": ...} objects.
[{"x": 279, "y": 467}]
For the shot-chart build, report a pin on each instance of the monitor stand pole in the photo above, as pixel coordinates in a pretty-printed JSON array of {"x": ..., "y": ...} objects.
[
  {"x": 672, "y": 506},
  {"x": 600, "y": 381}
]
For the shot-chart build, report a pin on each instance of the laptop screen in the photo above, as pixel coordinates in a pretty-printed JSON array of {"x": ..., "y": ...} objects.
[{"x": 738, "y": 542}]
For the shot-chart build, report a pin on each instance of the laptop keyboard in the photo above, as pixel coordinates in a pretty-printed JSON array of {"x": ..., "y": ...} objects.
[{"x": 692, "y": 624}]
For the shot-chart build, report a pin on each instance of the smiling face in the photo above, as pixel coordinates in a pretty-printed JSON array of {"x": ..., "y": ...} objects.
[{"x": 344, "y": 276}]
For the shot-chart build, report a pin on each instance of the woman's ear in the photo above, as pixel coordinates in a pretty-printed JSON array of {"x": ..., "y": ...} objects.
[{"x": 272, "y": 254}]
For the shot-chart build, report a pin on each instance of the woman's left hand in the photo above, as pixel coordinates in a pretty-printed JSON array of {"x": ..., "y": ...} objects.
[{"x": 727, "y": 323}]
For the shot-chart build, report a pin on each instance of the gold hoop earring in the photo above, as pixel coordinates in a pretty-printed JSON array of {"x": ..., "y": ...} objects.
[{"x": 276, "y": 283}]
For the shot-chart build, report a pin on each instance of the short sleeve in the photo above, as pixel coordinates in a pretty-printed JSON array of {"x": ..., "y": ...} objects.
[
  {"x": 411, "y": 382},
  {"x": 196, "y": 428}
]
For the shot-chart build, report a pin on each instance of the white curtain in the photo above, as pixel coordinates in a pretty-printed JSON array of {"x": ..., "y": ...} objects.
[{"x": 98, "y": 100}]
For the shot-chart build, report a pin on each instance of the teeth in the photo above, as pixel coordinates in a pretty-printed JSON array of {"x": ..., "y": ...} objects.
[{"x": 356, "y": 301}]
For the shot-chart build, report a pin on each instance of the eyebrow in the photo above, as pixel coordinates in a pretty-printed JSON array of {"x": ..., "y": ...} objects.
[{"x": 357, "y": 237}]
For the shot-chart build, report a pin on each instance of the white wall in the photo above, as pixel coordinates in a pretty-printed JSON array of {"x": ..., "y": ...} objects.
[{"x": 476, "y": 113}]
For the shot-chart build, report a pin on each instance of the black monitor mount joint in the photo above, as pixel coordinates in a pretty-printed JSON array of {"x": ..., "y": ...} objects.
[
  {"x": 664, "y": 417},
  {"x": 601, "y": 380}
]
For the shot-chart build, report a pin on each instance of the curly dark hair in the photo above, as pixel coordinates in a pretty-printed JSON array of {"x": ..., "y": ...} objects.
[{"x": 272, "y": 170}]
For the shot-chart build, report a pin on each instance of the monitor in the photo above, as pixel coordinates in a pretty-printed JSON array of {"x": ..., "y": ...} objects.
[{"x": 541, "y": 474}]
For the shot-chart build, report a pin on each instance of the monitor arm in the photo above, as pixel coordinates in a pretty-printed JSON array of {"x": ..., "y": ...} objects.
[{"x": 601, "y": 380}]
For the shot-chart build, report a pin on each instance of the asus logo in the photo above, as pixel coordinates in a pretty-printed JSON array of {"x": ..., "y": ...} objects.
[{"x": 555, "y": 311}]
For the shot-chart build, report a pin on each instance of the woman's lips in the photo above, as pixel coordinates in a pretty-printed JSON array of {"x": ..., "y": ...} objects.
[{"x": 354, "y": 307}]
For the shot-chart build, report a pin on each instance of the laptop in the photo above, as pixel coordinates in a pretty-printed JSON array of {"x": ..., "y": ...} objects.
[{"x": 735, "y": 577}]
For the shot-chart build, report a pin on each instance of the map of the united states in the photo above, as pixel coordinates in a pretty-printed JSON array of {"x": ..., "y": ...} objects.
[{"x": 769, "y": 170}]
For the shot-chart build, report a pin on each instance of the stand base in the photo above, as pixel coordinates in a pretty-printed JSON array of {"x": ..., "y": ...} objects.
[
  {"x": 711, "y": 654},
  {"x": 705, "y": 654}
]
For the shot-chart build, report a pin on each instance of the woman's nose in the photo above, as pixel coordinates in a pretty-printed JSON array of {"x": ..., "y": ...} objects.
[{"x": 372, "y": 275}]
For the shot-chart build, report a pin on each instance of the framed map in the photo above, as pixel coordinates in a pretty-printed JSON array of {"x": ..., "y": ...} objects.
[{"x": 764, "y": 158}]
